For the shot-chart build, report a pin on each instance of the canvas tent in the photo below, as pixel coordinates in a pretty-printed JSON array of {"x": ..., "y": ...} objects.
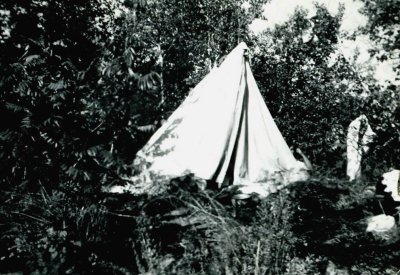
[{"x": 223, "y": 132}]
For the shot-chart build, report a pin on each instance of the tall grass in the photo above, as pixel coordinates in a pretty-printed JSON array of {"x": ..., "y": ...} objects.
[{"x": 187, "y": 230}]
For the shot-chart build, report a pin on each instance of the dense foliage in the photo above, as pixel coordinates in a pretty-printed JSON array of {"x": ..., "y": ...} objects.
[
  {"x": 85, "y": 83},
  {"x": 382, "y": 27},
  {"x": 306, "y": 86},
  {"x": 314, "y": 92}
]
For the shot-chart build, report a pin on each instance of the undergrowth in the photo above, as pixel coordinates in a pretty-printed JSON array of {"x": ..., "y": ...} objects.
[{"x": 186, "y": 230}]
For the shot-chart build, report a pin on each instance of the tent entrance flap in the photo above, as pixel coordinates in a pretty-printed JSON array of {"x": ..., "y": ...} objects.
[{"x": 226, "y": 169}]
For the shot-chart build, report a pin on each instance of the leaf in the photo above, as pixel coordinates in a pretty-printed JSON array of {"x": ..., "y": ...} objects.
[
  {"x": 59, "y": 43},
  {"x": 73, "y": 172},
  {"x": 147, "y": 128},
  {"x": 57, "y": 85},
  {"x": 129, "y": 56},
  {"x": 149, "y": 81},
  {"x": 6, "y": 135},
  {"x": 92, "y": 151},
  {"x": 14, "y": 107},
  {"x": 30, "y": 58},
  {"x": 133, "y": 74},
  {"x": 26, "y": 122}
]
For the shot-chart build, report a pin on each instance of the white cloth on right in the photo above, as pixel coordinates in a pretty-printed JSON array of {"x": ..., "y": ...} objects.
[
  {"x": 357, "y": 146},
  {"x": 381, "y": 223},
  {"x": 392, "y": 181}
]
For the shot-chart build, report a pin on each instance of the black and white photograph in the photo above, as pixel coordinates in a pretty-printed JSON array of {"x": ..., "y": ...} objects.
[{"x": 232, "y": 137}]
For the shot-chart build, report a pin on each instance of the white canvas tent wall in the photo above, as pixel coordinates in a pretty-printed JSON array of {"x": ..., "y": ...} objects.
[{"x": 223, "y": 131}]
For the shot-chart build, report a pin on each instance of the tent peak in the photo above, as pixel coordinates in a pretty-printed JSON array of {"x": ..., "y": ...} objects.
[{"x": 241, "y": 47}]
